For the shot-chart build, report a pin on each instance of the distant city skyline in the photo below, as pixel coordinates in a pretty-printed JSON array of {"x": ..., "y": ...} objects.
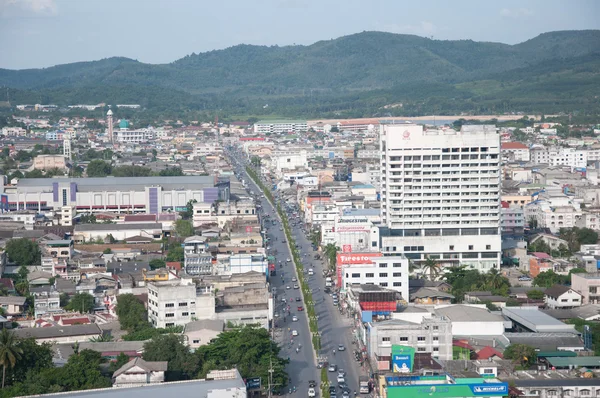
[{"x": 43, "y": 33}]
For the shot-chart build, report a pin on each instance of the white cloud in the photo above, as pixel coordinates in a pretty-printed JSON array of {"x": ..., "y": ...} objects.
[
  {"x": 27, "y": 7},
  {"x": 423, "y": 28},
  {"x": 516, "y": 12}
]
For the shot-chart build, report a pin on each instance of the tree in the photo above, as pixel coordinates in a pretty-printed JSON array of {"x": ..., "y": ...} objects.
[
  {"x": 131, "y": 171},
  {"x": 576, "y": 237},
  {"x": 533, "y": 223},
  {"x": 189, "y": 210},
  {"x": 98, "y": 168},
  {"x": 131, "y": 312},
  {"x": 156, "y": 263},
  {"x": 23, "y": 251},
  {"x": 34, "y": 358},
  {"x": 182, "y": 364},
  {"x": 83, "y": 302},
  {"x": 535, "y": 294},
  {"x": 548, "y": 278},
  {"x": 184, "y": 228},
  {"x": 175, "y": 254},
  {"x": 82, "y": 372},
  {"x": 249, "y": 349},
  {"x": 330, "y": 251},
  {"x": 522, "y": 354},
  {"x": 171, "y": 172},
  {"x": 10, "y": 352},
  {"x": 431, "y": 268}
]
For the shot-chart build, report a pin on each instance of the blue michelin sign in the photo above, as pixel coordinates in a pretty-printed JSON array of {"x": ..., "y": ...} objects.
[
  {"x": 401, "y": 363},
  {"x": 489, "y": 389}
]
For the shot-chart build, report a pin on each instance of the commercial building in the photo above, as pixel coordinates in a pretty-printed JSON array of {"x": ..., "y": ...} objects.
[
  {"x": 472, "y": 320},
  {"x": 123, "y": 194},
  {"x": 390, "y": 272},
  {"x": 47, "y": 162},
  {"x": 280, "y": 126},
  {"x": 443, "y": 385},
  {"x": 531, "y": 319},
  {"x": 440, "y": 194},
  {"x": 351, "y": 234},
  {"x": 431, "y": 335}
]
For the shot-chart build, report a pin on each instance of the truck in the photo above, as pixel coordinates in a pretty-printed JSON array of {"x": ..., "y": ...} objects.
[{"x": 363, "y": 385}]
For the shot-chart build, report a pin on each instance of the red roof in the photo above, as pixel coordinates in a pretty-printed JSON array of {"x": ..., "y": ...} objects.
[
  {"x": 462, "y": 344},
  {"x": 513, "y": 145},
  {"x": 73, "y": 321},
  {"x": 7, "y": 283},
  {"x": 504, "y": 204},
  {"x": 140, "y": 218},
  {"x": 176, "y": 265},
  {"x": 489, "y": 352},
  {"x": 541, "y": 255}
]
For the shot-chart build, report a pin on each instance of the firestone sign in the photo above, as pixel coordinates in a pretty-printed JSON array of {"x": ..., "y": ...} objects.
[{"x": 357, "y": 258}]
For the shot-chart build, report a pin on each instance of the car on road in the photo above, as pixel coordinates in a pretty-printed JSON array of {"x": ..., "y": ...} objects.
[
  {"x": 310, "y": 271},
  {"x": 524, "y": 278},
  {"x": 296, "y": 286},
  {"x": 341, "y": 347},
  {"x": 284, "y": 241},
  {"x": 288, "y": 260},
  {"x": 298, "y": 299},
  {"x": 311, "y": 392},
  {"x": 343, "y": 386},
  {"x": 346, "y": 394},
  {"x": 332, "y": 367},
  {"x": 294, "y": 318},
  {"x": 341, "y": 379},
  {"x": 300, "y": 308},
  {"x": 288, "y": 287},
  {"x": 294, "y": 333},
  {"x": 294, "y": 279},
  {"x": 332, "y": 389}
]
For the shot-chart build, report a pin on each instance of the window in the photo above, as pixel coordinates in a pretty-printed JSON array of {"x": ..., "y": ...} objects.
[
  {"x": 451, "y": 247},
  {"x": 436, "y": 338},
  {"x": 421, "y": 349},
  {"x": 183, "y": 304},
  {"x": 196, "y": 341},
  {"x": 488, "y": 247},
  {"x": 169, "y": 315},
  {"x": 488, "y": 371},
  {"x": 374, "y": 244},
  {"x": 168, "y": 325},
  {"x": 386, "y": 339},
  {"x": 470, "y": 247},
  {"x": 383, "y": 274},
  {"x": 403, "y": 338},
  {"x": 563, "y": 300},
  {"x": 397, "y": 274},
  {"x": 369, "y": 275},
  {"x": 383, "y": 284},
  {"x": 169, "y": 305},
  {"x": 397, "y": 284},
  {"x": 421, "y": 338},
  {"x": 185, "y": 314},
  {"x": 436, "y": 328},
  {"x": 356, "y": 275},
  {"x": 436, "y": 349},
  {"x": 397, "y": 265},
  {"x": 383, "y": 265},
  {"x": 584, "y": 392}
]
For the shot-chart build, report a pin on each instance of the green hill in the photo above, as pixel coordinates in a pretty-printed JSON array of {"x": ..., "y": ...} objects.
[{"x": 362, "y": 71}]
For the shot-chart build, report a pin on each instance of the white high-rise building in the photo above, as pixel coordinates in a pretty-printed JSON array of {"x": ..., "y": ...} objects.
[{"x": 440, "y": 194}]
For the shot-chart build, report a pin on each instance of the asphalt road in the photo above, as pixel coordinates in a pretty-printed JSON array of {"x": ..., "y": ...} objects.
[{"x": 302, "y": 366}]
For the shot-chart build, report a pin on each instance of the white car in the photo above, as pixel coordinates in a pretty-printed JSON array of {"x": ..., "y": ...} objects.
[
  {"x": 294, "y": 333},
  {"x": 311, "y": 392},
  {"x": 296, "y": 287},
  {"x": 294, "y": 279},
  {"x": 340, "y": 379},
  {"x": 294, "y": 318},
  {"x": 288, "y": 260},
  {"x": 288, "y": 287}
]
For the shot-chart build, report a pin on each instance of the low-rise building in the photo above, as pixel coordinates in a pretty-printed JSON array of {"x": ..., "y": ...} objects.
[
  {"x": 61, "y": 334},
  {"x": 560, "y": 296},
  {"x": 138, "y": 372},
  {"x": 588, "y": 285},
  {"x": 199, "y": 333}
]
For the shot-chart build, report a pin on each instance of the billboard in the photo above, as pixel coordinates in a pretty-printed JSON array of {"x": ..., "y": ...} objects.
[
  {"x": 356, "y": 258},
  {"x": 346, "y": 248},
  {"x": 449, "y": 390},
  {"x": 4, "y": 202},
  {"x": 402, "y": 358}
]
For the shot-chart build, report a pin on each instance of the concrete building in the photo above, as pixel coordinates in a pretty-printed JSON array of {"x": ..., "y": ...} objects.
[
  {"x": 151, "y": 195},
  {"x": 47, "y": 162},
  {"x": 553, "y": 217},
  {"x": 60, "y": 334},
  {"x": 199, "y": 333},
  {"x": 138, "y": 372},
  {"x": 588, "y": 285},
  {"x": 559, "y": 156},
  {"x": 440, "y": 194},
  {"x": 431, "y": 335},
  {"x": 280, "y": 126},
  {"x": 176, "y": 302},
  {"x": 515, "y": 152},
  {"x": 390, "y": 272},
  {"x": 87, "y": 232},
  {"x": 560, "y": 296},
  {"x": 472, "y": 320},
  {"x": 351, "y": 234},
  {"x": 46, "y": 302},
  {"x": 12, "y": 305}
]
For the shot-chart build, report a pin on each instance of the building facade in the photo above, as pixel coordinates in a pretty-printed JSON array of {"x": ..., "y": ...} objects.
[{"x": 440, "y": 194}]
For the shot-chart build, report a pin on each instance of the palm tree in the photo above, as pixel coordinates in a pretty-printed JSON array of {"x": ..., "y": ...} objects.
[
  {"x": 494, "y": 280},
  {"x": 330, "y": 251},
  {"x": 431, "y": 267},
  {"x": 412, "y": 267},
  {"x": 105, "y": 338},
  {"x": 10, "y": 351}
]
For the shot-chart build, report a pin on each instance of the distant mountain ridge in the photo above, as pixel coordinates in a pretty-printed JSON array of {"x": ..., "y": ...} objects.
[{"x": 358, "y": 63}]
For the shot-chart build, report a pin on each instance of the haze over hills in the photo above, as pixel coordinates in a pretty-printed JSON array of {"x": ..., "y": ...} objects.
[{"x": 362, "y": 71}]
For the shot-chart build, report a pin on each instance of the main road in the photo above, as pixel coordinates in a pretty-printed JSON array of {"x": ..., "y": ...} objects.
[
  {"x": 335, "y": 328},
  {"x": 302, "y": 366}
]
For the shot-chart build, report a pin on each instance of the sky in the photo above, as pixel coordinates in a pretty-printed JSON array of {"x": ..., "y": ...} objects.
[{"x": 42, "y": 33}]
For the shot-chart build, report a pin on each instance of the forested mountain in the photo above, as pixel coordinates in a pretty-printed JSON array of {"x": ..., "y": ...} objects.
[{"x": 356, "y": 73}]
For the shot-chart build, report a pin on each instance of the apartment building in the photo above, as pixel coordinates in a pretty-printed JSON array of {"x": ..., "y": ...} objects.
[
  {"x": 432, "y": 335},
  {"x": 559, "y": 156},
  {"x": 440, "y": 194},
  {"x": 515, "y": 152},
  {"x": 512, "y": 219},
  {"x": 552, "y": 216},
  {"x": 176, "y": 302},
  {"x": 589, "y": 287},
  {"x": 390, "y": 272},
  {"x": 280, "y": 126}
]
